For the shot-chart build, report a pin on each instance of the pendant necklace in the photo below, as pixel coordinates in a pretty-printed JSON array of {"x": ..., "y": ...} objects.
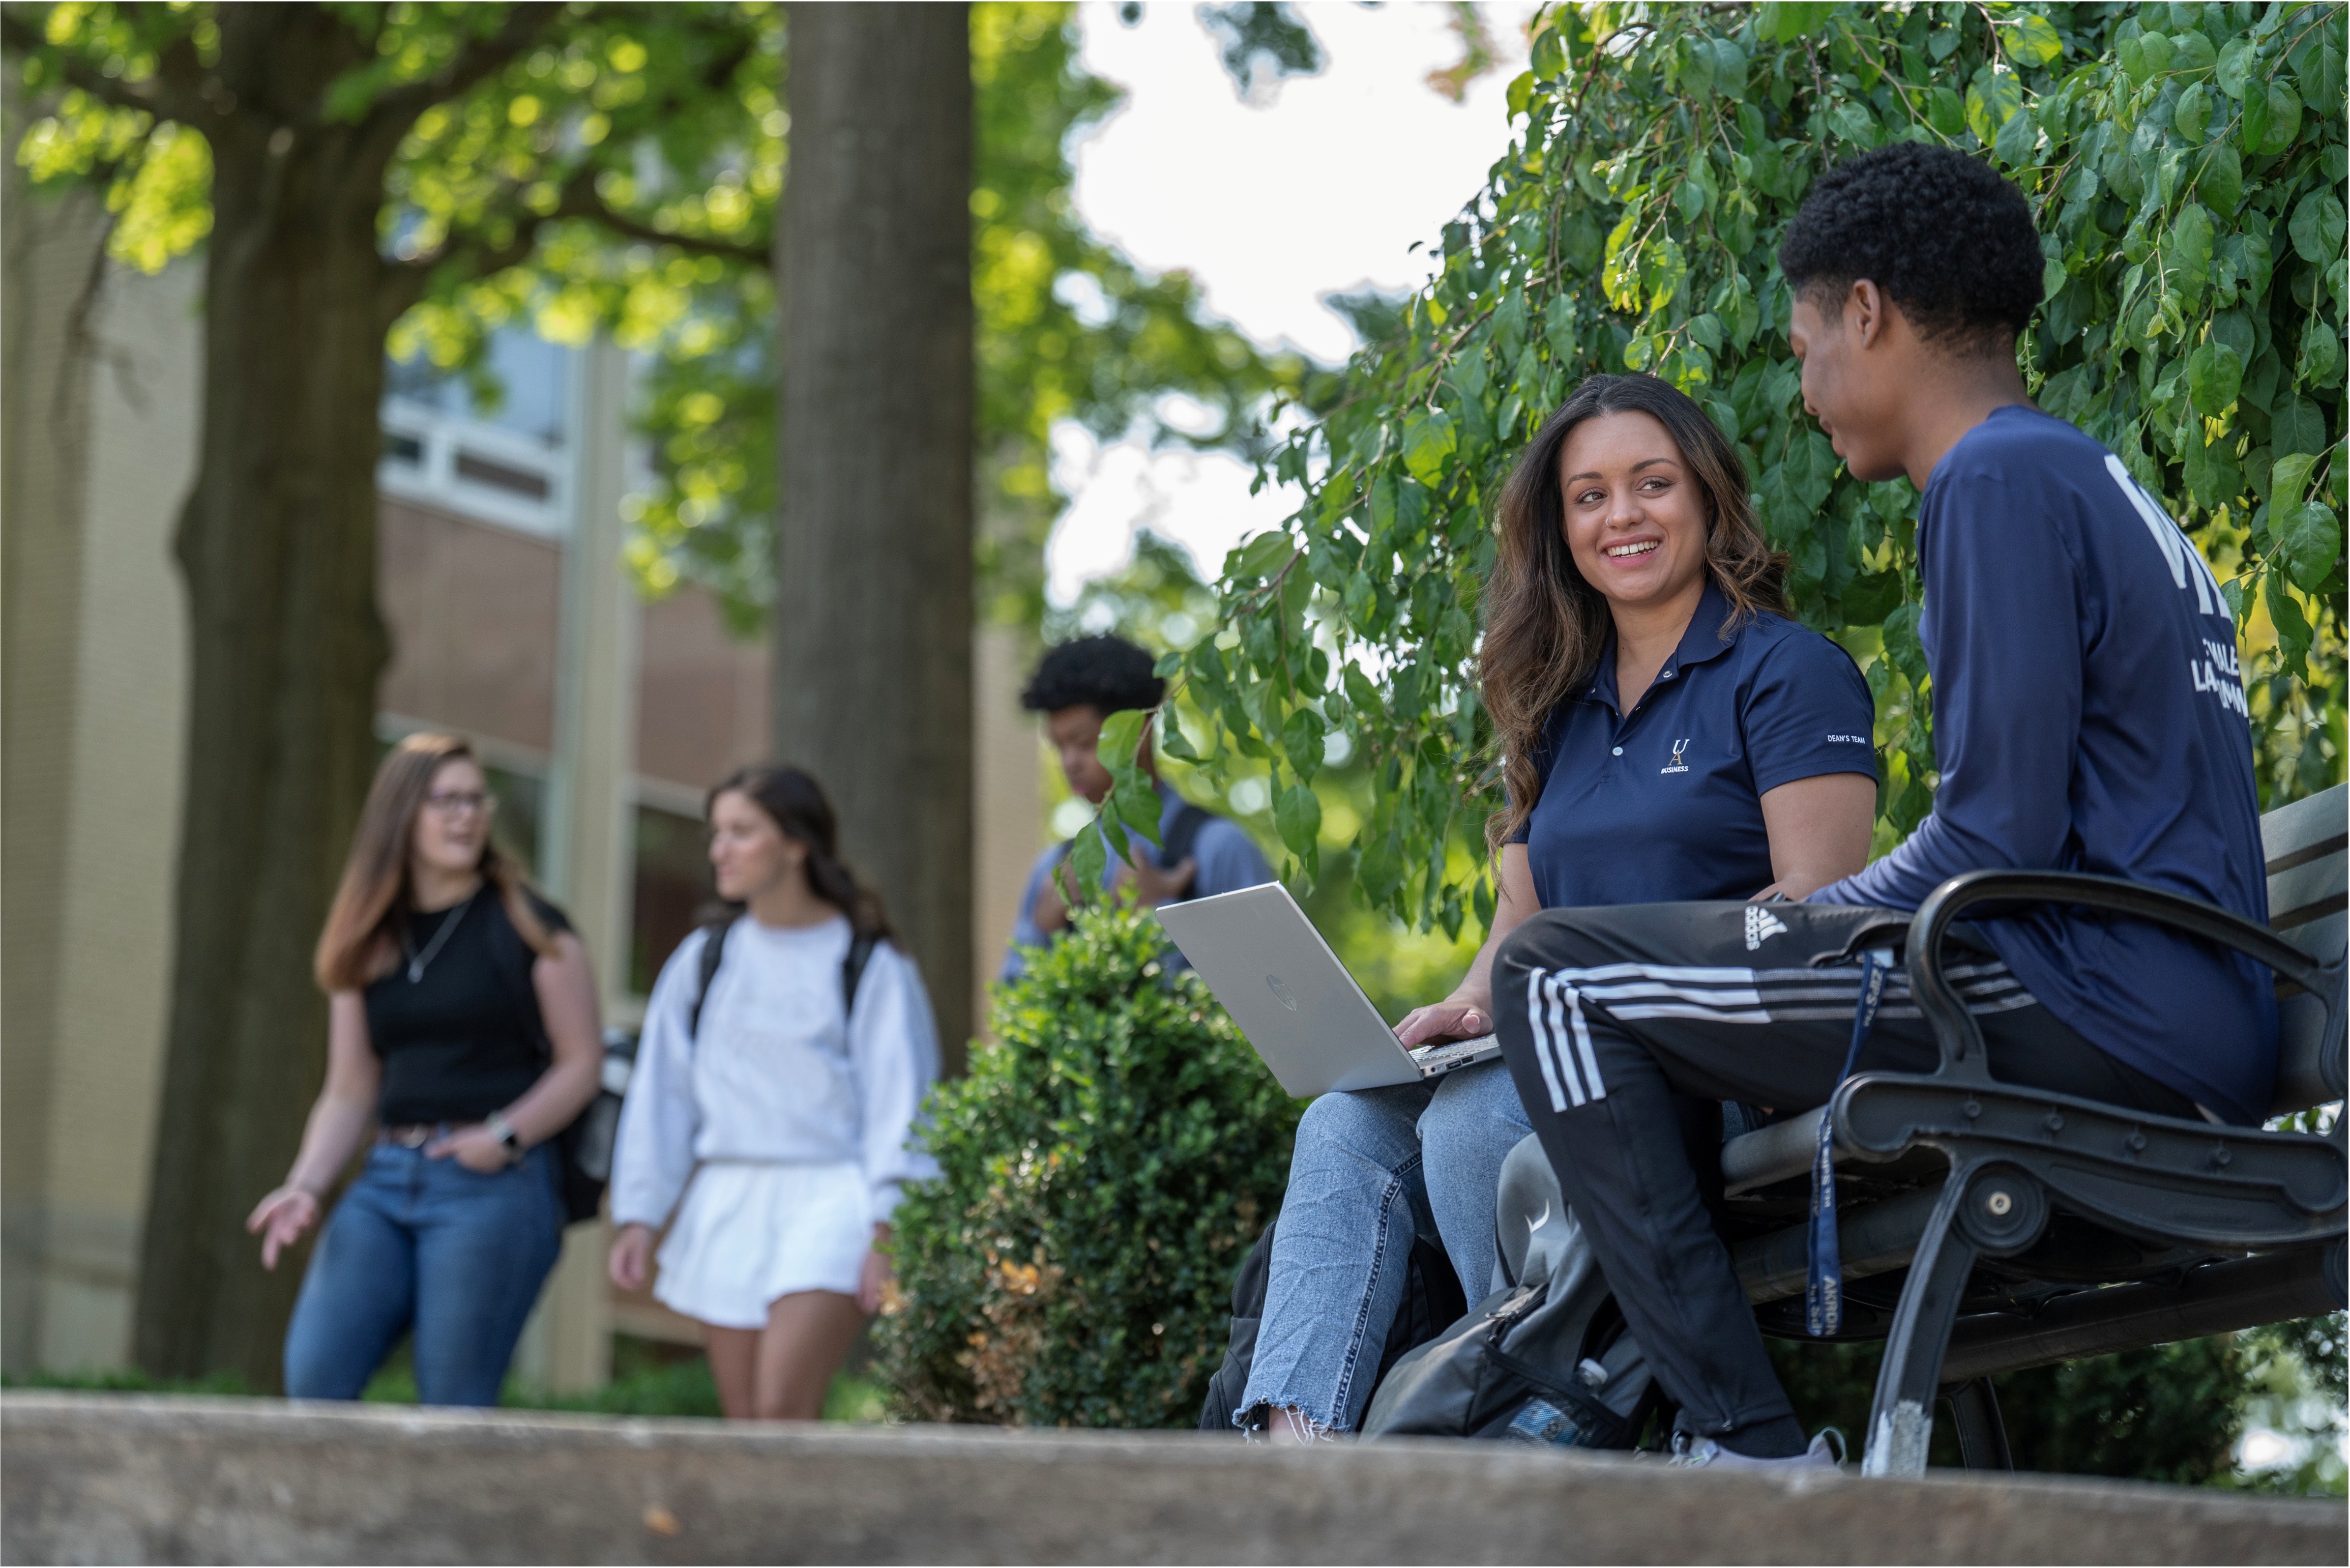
[{"x": 416, "y": 960}]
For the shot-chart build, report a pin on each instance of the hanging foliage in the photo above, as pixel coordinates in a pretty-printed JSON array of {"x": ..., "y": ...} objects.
[{"x": 2185, "y": 163}]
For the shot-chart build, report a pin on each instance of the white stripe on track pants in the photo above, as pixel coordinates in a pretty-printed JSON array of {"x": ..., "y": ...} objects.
[{"x": 1619, "y": 1022}]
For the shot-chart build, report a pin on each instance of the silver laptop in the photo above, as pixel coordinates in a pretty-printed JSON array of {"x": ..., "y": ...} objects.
[{"x": 1294, "y": 998}]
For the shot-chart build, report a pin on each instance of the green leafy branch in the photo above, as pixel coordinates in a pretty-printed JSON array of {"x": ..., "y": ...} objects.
[{"x": 2184, "y": 162}]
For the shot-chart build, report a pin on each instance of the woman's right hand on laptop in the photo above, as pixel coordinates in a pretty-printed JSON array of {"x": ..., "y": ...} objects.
[{"x": 1457, "y": 1017}]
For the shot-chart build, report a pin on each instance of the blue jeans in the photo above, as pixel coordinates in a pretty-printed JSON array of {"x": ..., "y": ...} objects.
[
  {"x": 427, "y": 1245},
  {"x": 1374, "y": 1169}
]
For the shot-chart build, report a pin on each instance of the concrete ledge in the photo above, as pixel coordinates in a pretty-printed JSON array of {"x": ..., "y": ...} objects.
[{"x": 115, "y": 1479}]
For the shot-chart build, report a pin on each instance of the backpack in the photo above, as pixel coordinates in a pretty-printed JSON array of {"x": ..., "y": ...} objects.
[
  {"x": 1176, "y": 840},
  {"x": 583, "y": 1150},
  {"x": 714, "y": 953},
  {"x": 1545, "y": 1358},
  {"x": 587, "y": 1143},
  {"x": 1432, "y": 1298},
  {"x": 1180, "y": 835}
]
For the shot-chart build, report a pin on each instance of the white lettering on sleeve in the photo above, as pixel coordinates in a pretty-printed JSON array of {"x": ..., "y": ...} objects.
[
  {"x": 2217, "y": 672},
  {"x": 2179, "y": 552}
]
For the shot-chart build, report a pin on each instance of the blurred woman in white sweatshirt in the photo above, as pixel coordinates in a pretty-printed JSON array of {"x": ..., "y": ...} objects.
[{"x": 776, "y": 1087}]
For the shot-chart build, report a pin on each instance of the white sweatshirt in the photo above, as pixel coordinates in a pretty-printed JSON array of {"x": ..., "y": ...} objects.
[{"x": 776, "y": 1073}]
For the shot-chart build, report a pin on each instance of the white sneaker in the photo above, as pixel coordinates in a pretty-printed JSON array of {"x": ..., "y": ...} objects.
[{"x": 1700, "y": 1452}]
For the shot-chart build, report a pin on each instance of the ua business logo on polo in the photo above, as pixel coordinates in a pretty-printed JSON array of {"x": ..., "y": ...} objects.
[{"x": 1677, "y": 766}]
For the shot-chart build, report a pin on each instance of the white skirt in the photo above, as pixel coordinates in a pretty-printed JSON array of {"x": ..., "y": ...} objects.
[{"x": 752, "y": 1232}]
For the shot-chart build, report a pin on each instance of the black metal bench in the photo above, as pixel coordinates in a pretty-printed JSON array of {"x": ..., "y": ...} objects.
[{"x": 1986, "y": 1228}]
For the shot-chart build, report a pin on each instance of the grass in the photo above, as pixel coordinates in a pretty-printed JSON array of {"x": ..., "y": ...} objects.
[
  {"x": 126, "y": 1380},
  {"x": 648, "y": 1379}
]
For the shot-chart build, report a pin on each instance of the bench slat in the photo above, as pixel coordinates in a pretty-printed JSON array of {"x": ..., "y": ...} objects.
[
  {"x": 2293, "y": 830},
  {"x": 2306, "y": 891},
  {"x": 2321, "y": 938},
  {"x": 1773, "y": 1153},
  {"x": 2217, "y": 1298},
  {"x": 1876, "y": 1240}
]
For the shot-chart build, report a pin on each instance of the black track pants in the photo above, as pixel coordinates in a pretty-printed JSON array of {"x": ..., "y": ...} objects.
[{"x": 1613, "y": 1018}]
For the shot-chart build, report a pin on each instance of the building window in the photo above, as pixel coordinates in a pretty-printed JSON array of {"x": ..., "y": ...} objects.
[
  {"x": 533, "y": 378},
  {"x": 673, "y": 889},
  {"x": 502, "y": 459},
  {"x": 522, "y": 807}
]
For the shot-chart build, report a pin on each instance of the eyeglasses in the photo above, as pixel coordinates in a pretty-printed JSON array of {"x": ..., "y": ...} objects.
[{"x": 460, "y": 803}]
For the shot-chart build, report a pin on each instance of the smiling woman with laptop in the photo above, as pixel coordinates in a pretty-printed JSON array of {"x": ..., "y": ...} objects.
[{"x": 1667, "y": 732}]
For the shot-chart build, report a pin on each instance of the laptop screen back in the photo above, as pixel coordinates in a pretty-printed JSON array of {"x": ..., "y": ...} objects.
[{"x": 1287, "y": 992}]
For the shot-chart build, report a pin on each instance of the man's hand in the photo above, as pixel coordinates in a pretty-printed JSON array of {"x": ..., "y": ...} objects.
[
  {"x": 1152, "y": 885},
  {"x": 1454, "y": 1018},
  {"x": 1051, "y": 910}
]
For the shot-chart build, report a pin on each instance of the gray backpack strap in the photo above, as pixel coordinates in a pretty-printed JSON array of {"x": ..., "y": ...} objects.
[{"x": 714, "y": 953}]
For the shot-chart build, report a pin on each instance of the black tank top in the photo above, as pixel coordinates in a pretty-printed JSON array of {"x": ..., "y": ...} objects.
[{"x": 465, "y": 1037}]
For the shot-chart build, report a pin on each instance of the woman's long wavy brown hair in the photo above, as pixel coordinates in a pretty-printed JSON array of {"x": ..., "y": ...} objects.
[
  {"x": 361, "y": 939},
  {"x": 1544, "y": 626},
  {"x": 797, "y": 804}
]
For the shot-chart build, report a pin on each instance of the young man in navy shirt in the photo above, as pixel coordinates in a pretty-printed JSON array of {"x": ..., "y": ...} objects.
[
  {"x": 2088, "y": 717},
  {"x": 1077, "y": 686}
]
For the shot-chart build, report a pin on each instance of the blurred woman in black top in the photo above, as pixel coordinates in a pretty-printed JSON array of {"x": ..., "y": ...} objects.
[{"x": 461, "y": 1030}]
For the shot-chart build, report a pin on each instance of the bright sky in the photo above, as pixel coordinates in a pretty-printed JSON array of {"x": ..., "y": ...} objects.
[{"x": 1323, "y": 190}]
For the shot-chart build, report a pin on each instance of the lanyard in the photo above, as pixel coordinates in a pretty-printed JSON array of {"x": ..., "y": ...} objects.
[{"x": 1823, "y": 1293}]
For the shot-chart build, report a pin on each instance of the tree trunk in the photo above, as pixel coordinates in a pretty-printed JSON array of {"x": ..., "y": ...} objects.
[
  {"x": 873, "y": 601},
  {"x": 278, "y": 545}
]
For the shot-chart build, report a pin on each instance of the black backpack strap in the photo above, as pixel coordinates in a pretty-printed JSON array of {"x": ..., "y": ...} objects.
[
  {"x": 852, "y": 969},
  {"x": 1176, "y": 843},
  {"x": 514, "y": 959},
  {"x": 1230, "y": 1382},
  {"x": 1180, "y": 835},
  {"x": 714, "y": 953}
]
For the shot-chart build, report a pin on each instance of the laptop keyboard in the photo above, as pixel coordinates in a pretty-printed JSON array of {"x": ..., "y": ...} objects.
[{"x": 1452, "y": 1053}]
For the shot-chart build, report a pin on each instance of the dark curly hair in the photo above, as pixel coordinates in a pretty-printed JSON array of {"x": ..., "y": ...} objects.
[
  {"x": 1946, "y": 238},
  {"x": 1108, "y": 672}
]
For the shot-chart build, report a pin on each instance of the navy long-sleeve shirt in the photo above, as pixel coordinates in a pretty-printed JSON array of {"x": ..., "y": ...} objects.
[{"x": 2089, "y": 716}]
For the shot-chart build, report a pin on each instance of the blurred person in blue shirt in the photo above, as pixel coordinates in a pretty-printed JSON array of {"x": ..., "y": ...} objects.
[{"x": 1077, "y": 686}]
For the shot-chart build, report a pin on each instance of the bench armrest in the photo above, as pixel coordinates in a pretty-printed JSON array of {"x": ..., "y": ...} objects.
[{"x": 1954, "y": 1027}]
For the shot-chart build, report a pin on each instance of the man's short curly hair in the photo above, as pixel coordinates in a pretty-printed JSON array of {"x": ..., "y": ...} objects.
[
  {"x": 1108, "y": 672},
  {"x": 1946, "y": 238}
]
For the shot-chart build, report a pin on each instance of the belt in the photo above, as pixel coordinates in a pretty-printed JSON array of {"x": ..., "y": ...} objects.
[{"x": 415, "y": 1136}]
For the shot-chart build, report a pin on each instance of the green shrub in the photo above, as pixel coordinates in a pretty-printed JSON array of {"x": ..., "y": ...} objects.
[
  {"x": 1104, "y": 1169},
  {"x": 2162, "y": 1413}
]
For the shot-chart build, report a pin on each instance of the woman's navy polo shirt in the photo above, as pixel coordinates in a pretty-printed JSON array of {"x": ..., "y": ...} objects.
[{"x": 1665, "y": 804}]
